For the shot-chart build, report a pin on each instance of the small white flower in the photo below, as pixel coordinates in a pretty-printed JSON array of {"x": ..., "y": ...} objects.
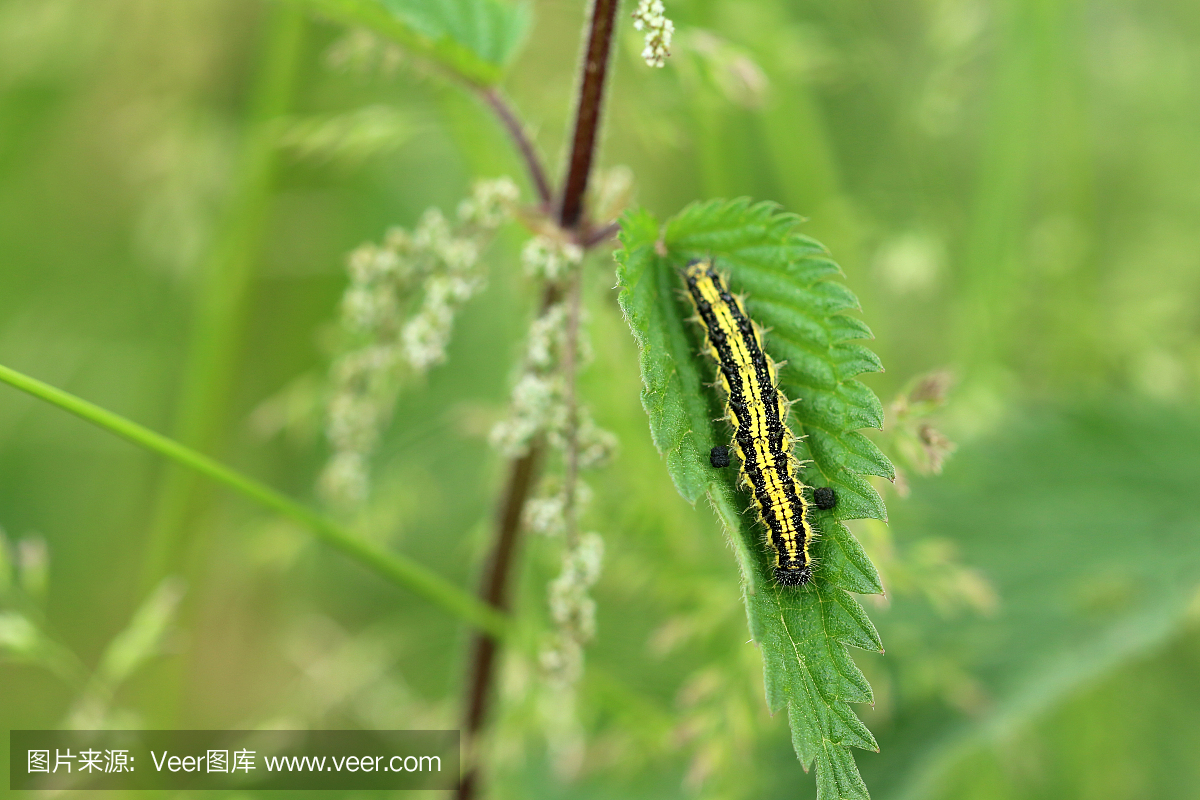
[
  {"x": 536, "y": 406},
  {"x": 369, "y": 263},
  {"x": 596, "y": 445},
  {"x": 367, "y": 307},
  {"x": 358, "y": 368},
  {"x": 650, "y": 16},
  {"x": 490, "y": 203},
  {"x": 562, "y": 662},
  {"x": 352, "y": 423},
  {"x": 588, "y": 557},
  {"x": 425, "y": 336},
  {"x": 510, "y": 438},
  {"x": 344, "y": 479},
  {"x": 534, "y": 394},
  {"x": 398, "y": 240},
  {"x": 458, "y": 255},
  {"x": 545, "y": 337},
  {"x": 570, "y": 605},
  {"x": 549, "y": 259},
  {"x": 433, "y": 231},
  {"x": 545, "y": 515}
]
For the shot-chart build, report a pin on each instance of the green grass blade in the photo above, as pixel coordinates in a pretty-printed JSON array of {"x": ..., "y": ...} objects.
[{"x": 394, "y": 567}]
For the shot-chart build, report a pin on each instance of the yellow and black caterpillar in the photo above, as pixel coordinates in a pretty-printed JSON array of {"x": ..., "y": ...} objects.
[{"x": 758, "y": 412}]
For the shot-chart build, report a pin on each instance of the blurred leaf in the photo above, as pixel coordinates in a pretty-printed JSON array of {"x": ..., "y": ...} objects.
[
  {"x": 22, "y": 640},
  {"x": 1084, "y": 520},
  {"x": 351, "y": 137},
  {"x": 142, "y": 638},
  {"x": 1131, "y": 735},
  {"x": 474, "y": 38},
  {"x": 724, "y": 66},
  {"x": 18, "y": 636},
  {"x": 33, "y": 568},
  {"x": 803, "y": 632}
]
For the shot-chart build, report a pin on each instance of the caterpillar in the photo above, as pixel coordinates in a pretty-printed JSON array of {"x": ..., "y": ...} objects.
[{"x": 758, "y": 412}]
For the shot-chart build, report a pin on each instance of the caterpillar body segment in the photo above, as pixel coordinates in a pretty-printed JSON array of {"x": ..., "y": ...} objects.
[{"x": 758, "y": 412}]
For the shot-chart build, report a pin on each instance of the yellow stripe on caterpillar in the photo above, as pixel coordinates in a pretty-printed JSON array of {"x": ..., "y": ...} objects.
[{"x": 758, "y": 412}]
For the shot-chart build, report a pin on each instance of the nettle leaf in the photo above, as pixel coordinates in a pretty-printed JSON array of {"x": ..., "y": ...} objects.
[
  {"x": 474, "y": 38},
  {"x": 787, "y": 279},
  {"x": 1030, "y": 503}
]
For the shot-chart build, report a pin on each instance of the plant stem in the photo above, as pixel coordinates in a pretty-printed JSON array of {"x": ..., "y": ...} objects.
[
  {"x": 494, "y": 592},
  {"x": 225, "y": 285},
  {"x": 515, "y": 129},
  {"x": 570, "y": 369},
  {"x": 587, "y": 118},
  {"x": 598, "y": 235},
  {"x": 396, "y": 568},
  {"x": 523, "y": 470}
]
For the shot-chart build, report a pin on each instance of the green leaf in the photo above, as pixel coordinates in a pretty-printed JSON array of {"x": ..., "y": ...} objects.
[
  {"x": 1084, "y": 521},
  {"x": 476, "y": 39},
  {"x": 803, "y": 633}
]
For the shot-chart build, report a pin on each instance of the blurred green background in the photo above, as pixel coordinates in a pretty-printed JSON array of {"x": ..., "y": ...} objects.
[{"x": 1012, "y": 188}]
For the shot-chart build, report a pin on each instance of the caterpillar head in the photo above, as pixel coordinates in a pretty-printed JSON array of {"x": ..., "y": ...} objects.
[{"x": 794, "y": 576}]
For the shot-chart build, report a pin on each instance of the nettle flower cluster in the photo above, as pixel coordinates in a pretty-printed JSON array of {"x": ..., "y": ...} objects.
[
  {"x": 541, "y": 408},
  {"x": 650, "y": 16},
  {"x": 539, "y": 404},
  {"x": 398, "y": 313},
  {"x": 573, "y": 609}
]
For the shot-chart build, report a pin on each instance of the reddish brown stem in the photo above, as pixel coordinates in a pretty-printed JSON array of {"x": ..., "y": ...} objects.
[
  {"x": 587, "y": 116},
  {"x": 517, "y": 131},
  {"x": 597, "y": 235},
  {"x": 495, "y": 592},
  {"x": 522, "y": 471}
]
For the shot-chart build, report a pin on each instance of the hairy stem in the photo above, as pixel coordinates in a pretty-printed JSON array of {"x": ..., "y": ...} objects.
[
  {"x": 517, "y": 131},
  {"x": 395, "y": 568},
  {"x": 226, "y": 280},
  {"x": 587, "y": 116},
  {"x": 570, "y": 369}
]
